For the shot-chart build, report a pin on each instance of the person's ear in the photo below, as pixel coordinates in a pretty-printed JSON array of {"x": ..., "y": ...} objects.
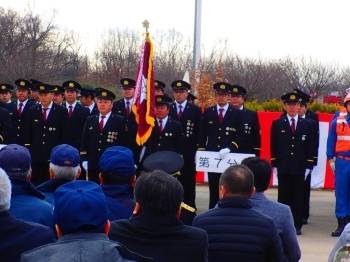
[
  {"x": 137, "y": 209},
  {"x": 178, "y": 212},
  {"x": 133, "y": 181},
  {"x": 78, "y": 173},
  {"x": 58, "y": 231},
  {"x": 29, "y": 177},
  {"x": 222, "y": 192},
  {"x": 107, "y": 227},
  {"x": 253, "y": 191},
  {"x": 52, "y": 175},
  {"x": 101, "y": 179}
]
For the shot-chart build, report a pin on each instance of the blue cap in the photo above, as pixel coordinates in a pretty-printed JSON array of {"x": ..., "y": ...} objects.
[
  {"x": 65, "y": 155},
  {"x": 80, "y": 204},
  {"x": 118, "y": 159},
  {"x": 15, "y": 158}
]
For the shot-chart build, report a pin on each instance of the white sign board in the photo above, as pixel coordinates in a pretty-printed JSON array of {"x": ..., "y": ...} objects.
[{"x": 209, "y": 161}]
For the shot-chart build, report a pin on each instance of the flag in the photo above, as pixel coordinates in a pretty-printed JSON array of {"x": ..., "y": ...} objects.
[{"x": 143, "y": 104}]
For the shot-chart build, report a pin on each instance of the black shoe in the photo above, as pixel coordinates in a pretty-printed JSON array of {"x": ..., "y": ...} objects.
[
  {"x": 341, "y": 225},
  {"x": 298, "y": 232},
  {"x": 305, "y": 221}
]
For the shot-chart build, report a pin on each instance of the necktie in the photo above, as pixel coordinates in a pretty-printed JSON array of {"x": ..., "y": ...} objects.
[
  {"x": 44, "y": 114},
  {"x": 292, "y": 126},
  {"x": 101, "y": 123},
  {"x": 20, "y": 109},
  {"x": 70, "y": 112},
  {"x": 160, "y": 126},
  {"x": 221, "y": 116},
  {"x": 180, "y": 111},
  {"x": 127, "y": 108}
]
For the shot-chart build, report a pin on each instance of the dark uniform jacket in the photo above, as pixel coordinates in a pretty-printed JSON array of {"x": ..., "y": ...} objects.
[
  {"x": 19, "y": 123},
  {"x": 292, "y": 154},
  {"x": 94, "y": 111},
  {"x": 215, "y": 136},
  {"x": 5, "y": 126},
  {"x": 76, "y": 124},
  {"x": 315, "y": 122},
  {"x": 49, "y": 187},
  {"x": 238, "y": 233},
  {"x": 156, "y": 235},
  {"x": 18, "y": 236},
  {"x": 171, "y": 138},
  {"x": 42, "y": 137},
  {"x": 131, "y": 127},
  {"x": 190, "y": 121},
  {"x": 252, "y": 144},
  {"x": 94, "y": 142}
]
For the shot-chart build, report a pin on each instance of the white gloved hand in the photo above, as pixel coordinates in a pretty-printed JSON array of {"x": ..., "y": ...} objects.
[
  {"x": 85, "y": 165},
  {"x": 223, "y": 152},
  {"x": 307, "y": 171},
  {"x": 275, "y": 171},
  {"x": 332, "y": 165}
]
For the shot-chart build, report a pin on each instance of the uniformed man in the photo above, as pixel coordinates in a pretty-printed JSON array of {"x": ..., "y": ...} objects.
[
  {"x": 222, "y": 130},
  {"x": 304, "y": 112},
  {"x": 19, "y": 111},
  {"x": 292, "y": 152},
  {"x": 100, "y": 132},
  {"x": 87, "y": 99},
  {"x": 189, "y": 115},
  {"x": 252, "y": 130},
  {"x": 122, "y": 107},
  {"x": 46, "y": 128},
  {"x": 6, "y": 93},
  {"x": 159, "y": 87},
  {"x": 167, "y": 133},
  {"x": 34, "y": 92},
  {"x": 77, "y": 115},
  {"x": 191, "y": 97},
  {"x": 58, "y": 95}
]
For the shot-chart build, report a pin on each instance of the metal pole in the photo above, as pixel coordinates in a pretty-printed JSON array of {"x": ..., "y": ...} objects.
[{"x": 197, "y": 34}]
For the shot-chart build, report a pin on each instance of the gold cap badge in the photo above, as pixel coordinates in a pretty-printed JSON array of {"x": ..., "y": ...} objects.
[
  {"x": 235, "y": 89},
  {"x": 71, "y": 84},
  {"x": 104, "y": 94},
  {"x": 42, "y": 88},
  {"x": 292, "y": 97},
  {"x": 22, "y": 83},
  {"x": 159, "y": 99},
  {"x": 55, "y": 89},
  {"x": 126, "y": 82},
  {"x": 3, "y": 87},
  {"x": 178, "y": 84},
  {"x": 156, "y": 83},
  {"x": 222, "y": 86}
]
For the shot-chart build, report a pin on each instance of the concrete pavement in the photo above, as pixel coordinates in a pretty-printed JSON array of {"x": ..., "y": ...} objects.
[{"x": 315, "y": 242}]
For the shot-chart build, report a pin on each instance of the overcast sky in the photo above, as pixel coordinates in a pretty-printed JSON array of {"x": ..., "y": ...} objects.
[{"x": 269, "y": 28}]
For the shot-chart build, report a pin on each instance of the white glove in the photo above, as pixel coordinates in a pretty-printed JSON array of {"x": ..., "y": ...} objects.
[
  {"x": 307, "y": 171},
  {"x": 85, "y": 165},
  {"x": 275, "y": 171},
  {"x": 332, "y": 165},
  {"x": 223, "y": 152}
]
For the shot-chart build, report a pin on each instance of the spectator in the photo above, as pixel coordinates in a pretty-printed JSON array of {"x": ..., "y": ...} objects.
[
  {"x": 117, "y": 179},
  {"x": 64, "y": 167},
  {"x": 80, "y": 216},
  {"x": 18, "y": 236},
  {"x": 154, "y": 228},
  {"x": 280, "y": 213},
  {"x": 27, "y": 203},
  {"x": 235, "y": 231}
]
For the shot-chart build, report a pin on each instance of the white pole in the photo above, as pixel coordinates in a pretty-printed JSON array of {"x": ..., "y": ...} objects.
[{"x": 197, "y": 35}]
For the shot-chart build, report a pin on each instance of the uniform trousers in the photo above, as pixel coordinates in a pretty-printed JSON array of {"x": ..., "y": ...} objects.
[
  {"x": 306, "y": 196},
  {"x": 213, "y": 180},
  {"x": 290, "y": 192},
  {"x": 342, "y": 188},
  {"x": 40, "y": 173},
  {"x": 188, "y": 182}
]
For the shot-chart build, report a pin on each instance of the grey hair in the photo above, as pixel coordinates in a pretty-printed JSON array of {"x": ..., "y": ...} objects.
[
  {"x": 66, "y": 172},
  {"x": 5, "y": 191}
]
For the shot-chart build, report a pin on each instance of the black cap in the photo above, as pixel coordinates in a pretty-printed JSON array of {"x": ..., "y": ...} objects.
[
  {"x": 291, "y": 97},
  {"x": 44, "y": 88},
  {"x": 180, "y": 85},
  {"x": 34, "y": 82},
  {"x": 191, "y": 97},
  {"x": 222, "y": 87},
  {"x": 71, "y": 85},
  {"x": 58, "y": 90},
  {"x": 105, "y": 94},
  {"x": 86, "y": 90},
  {"x": 163, "y": 100},
  {"x": 159, "y": 84},
  {"x": 127, "y": 83},
  {"x": 305, "y": 97},
  {"x": 238, "y": 90},
  {"x": 6, "y": 88},
  {"x": 23, "y": 84},
  {"x": 167, "y": 161}
]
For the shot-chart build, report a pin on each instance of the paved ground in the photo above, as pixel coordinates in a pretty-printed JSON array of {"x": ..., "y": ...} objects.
[{"x": 315, "y": 242}]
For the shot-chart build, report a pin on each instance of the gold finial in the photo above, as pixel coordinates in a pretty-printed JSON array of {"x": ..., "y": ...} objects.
[{"x": 145, "y": 25}]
